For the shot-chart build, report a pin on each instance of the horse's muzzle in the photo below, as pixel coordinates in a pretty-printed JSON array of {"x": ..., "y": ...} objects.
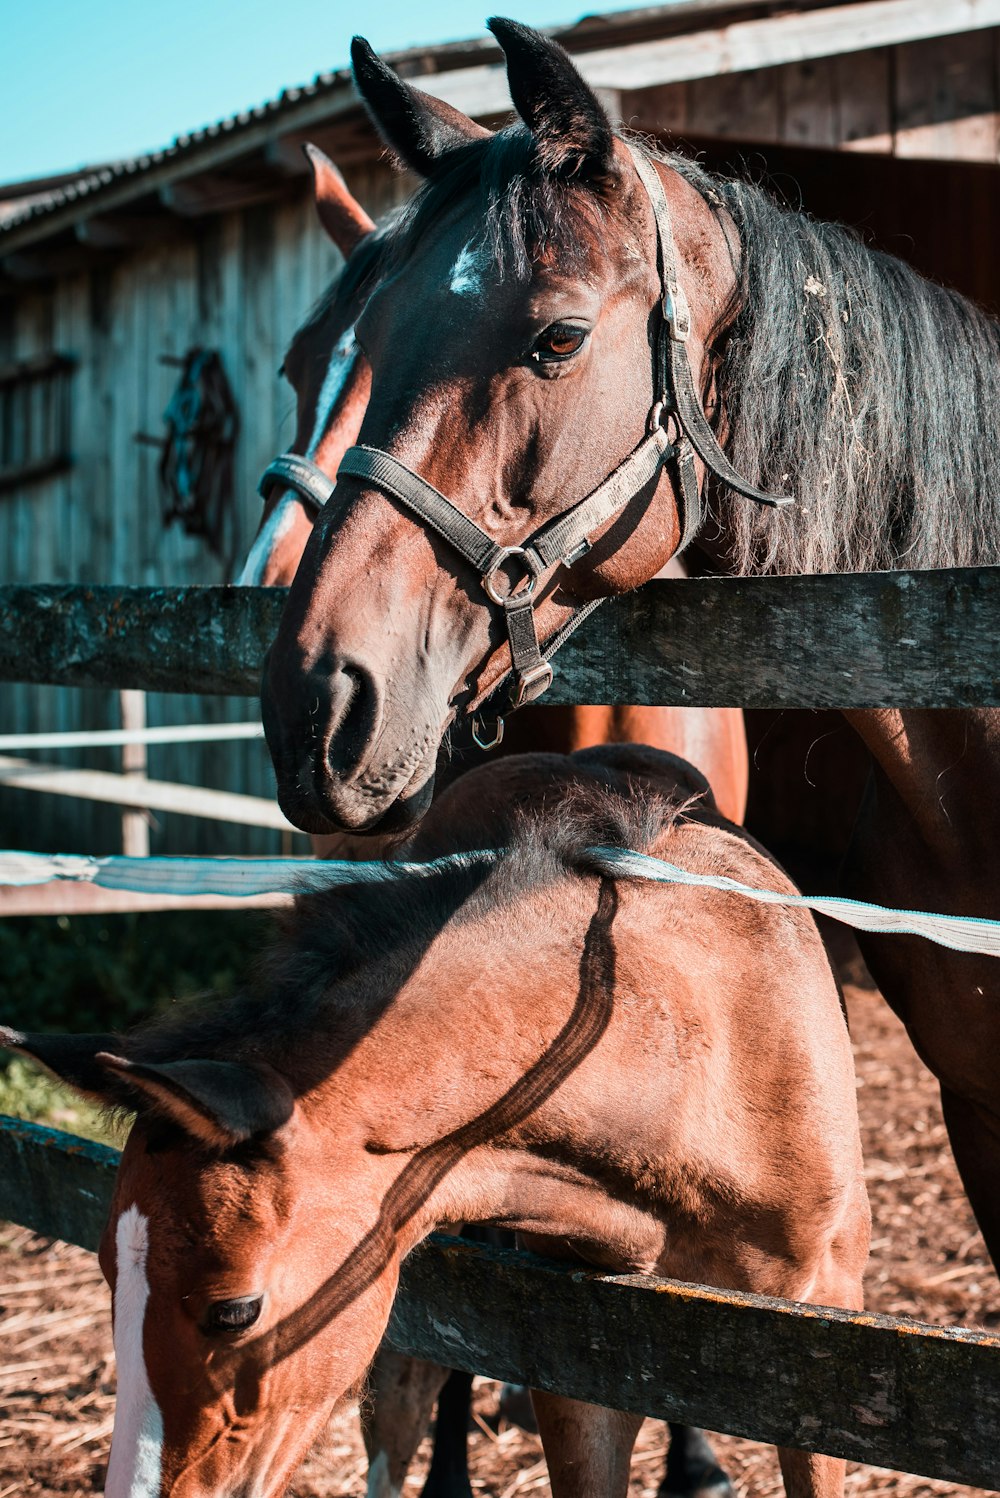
[{"x": 321, "y": 740}]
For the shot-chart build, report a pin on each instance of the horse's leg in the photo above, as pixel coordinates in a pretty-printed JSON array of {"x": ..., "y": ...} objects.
[
  {"x": 692, "y": 1470},
  {"x": 395, "y": 1417},
  {"x": 449, "y": 1471},
  {"x": 587, "y": 1447},
  {"x": 839, "y": 1282},
  {"x": 974, "y": 1132},
  {"x": 928, "y": 837}
]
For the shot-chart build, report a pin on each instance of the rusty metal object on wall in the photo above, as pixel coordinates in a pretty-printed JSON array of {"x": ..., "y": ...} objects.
[{"x": 196, "y": 455}]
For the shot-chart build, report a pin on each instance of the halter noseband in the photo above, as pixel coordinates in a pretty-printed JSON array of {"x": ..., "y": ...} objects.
[
  {"x": 303, "y": 476},
  {"x": 566, "y": 538}
]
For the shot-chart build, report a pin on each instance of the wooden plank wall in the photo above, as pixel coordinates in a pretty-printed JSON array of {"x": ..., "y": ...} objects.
[
  {"x": 241, "y": 283},
  {"x": 928, "y": 100}
]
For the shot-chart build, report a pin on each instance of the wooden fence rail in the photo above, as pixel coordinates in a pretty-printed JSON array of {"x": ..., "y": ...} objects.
[
  {"x": 904, "y": 639},
  {"x": 872, "y": 1388}
]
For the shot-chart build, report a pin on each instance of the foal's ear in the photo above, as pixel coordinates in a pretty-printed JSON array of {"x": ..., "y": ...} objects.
[
  {"x": 221, "y": 1103},
  {"x": 572, "y": 131},
  {"x": 421, "y": 129},
  {"x": 340, "y": 213},
  {"x": 71, "y": 1058}
]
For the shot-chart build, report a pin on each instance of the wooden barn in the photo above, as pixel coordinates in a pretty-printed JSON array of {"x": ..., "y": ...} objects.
[{"x": 884, "y": 114}]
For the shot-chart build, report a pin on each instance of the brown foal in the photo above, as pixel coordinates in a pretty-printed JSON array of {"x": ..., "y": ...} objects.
[{"x": 675, "y": 1095}]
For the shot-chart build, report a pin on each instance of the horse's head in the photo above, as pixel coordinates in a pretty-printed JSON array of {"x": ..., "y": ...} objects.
[
  {"x": 232, "y": 1342},
  {"x": 330, "y": 376},
  {"x": 514, "y": 340}
]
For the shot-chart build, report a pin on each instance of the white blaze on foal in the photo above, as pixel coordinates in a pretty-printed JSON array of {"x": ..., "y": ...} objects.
[
  {"x": 137, "y": 1443},
  {"x": 282, "y": 517}
]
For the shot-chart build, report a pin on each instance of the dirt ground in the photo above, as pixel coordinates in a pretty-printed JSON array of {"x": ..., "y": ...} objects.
[{"x": 928, "y": 1260}]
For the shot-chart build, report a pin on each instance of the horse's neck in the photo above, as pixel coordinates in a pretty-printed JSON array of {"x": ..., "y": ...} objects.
[{"x": 936, "y": 764}]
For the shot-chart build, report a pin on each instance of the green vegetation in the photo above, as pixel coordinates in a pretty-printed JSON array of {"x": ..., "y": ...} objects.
[
  {"x": 28, "y": 1092},
  {"x": 93, "y": 973}
]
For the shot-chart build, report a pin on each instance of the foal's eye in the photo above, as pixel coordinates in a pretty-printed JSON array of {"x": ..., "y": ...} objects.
[
  {"x": 233, "y": 1315},
  {"x": 560, "y": 341}
]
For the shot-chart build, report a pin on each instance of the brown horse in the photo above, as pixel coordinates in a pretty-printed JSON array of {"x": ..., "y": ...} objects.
[
  {"x": 331, "y": 378},
  {"x": 676, "y": 1095},
  {"x": 569, "y": 285}
]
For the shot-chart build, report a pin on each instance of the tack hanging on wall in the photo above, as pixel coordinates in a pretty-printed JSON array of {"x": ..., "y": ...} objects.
[{"x": 196, "y": 455}]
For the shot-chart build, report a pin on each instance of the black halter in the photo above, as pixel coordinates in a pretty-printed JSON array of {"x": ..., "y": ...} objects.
[{"x": 566, "y": 538}]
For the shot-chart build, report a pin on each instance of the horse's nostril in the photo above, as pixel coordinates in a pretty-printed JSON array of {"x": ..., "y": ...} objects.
[{"x": 354, "y": 728}]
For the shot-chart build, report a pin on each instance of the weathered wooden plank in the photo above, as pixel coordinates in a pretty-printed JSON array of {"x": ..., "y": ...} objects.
[
  {"x": 61, "y": 897},
  {"x": 904, "y": 639},
  {"x": 864, "y": 101},
  {"x": 769, "y": 41},
  {"x": 116, "y": 789},
  {"x": 879, "y": 1390},
  {"x": 744, "y": 105},
  {"x": 945, "y": 100},
  {"x": 54, "y": 1182},
  {"x": 191, "y": 639},
  {"x": 809, "y": 98},
  {"x": 872, "y": 1388},
  {"x": 661, "y": 111}
]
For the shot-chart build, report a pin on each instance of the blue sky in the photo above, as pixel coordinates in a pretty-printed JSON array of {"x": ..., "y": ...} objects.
[{"x": 88, "y": 81}]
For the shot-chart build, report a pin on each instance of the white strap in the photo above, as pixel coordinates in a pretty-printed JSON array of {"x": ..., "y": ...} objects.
[
  {"x": 963, "y": 933},
  {"x": 217, "y": 876},
  {"x": 261, "y": 876}
]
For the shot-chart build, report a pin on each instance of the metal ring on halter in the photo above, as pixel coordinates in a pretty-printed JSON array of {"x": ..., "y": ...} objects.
[
  {"x": 525, "y": 590},
  {"x": 493, "y": 743}
]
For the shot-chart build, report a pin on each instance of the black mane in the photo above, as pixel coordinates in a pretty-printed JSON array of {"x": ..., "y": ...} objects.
[
  {"x": 846, "y": 378},
  {"x": 526, "y": 212},
  {"x": 865, "y": 389}
]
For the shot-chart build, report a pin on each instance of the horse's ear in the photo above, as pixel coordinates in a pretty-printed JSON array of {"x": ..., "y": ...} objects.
[
  {"x": 71, "y": 1058},
  {"x": 421, "y": 129},
  {"x": 340, "y": 213},
  {"x": 572, "y": 131},
  {"x": 221, "y": 1103}
]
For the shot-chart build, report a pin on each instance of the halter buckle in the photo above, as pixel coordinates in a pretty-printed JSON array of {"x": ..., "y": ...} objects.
[
  {"x": 676, "y": 313},
  {"x": 531, "y": 684},
  {"x": 525, "y": 590}
]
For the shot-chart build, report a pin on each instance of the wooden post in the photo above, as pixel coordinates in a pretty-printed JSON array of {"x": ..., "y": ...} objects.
[{"x": 135, "y": 824}]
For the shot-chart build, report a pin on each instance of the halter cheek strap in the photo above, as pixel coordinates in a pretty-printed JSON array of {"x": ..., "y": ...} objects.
[
  {"x": 566, "y": 538},
  {"x": 676, "y": 380}
]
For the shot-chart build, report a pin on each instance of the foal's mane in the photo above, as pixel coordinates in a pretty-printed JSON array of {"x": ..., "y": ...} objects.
[
  {"x": 845, "y": 378},
  {"x": 342, "y": 954}
]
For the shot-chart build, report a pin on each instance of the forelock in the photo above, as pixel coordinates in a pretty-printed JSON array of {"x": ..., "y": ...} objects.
[{"x": 529, "y": 215}]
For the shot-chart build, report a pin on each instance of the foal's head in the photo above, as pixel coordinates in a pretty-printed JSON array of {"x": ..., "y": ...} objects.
[
  {"x": 510, "y": 339},
  {"x": 227, "y": 1220}
]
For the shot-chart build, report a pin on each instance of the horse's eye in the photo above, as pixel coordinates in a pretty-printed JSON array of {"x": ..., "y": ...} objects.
[
  {"x": 560, "y": 341},
  {"x": 233, "y": 1315}
]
